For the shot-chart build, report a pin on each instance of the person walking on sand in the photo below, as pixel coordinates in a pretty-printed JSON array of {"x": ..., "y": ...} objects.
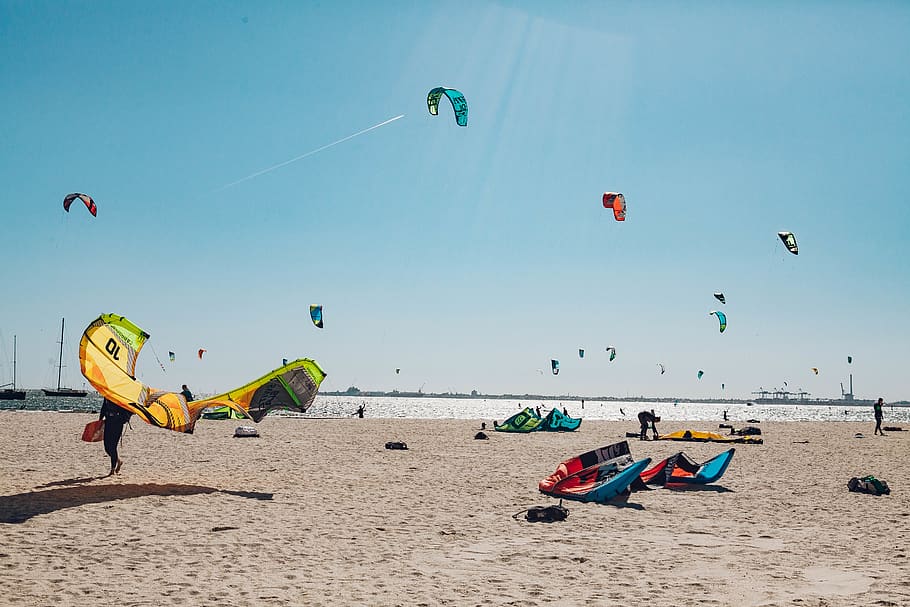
[
  {"x": 647, "y": 418},
  {"x": 877, "y": 407},
  {"x": 114, "y": 418}
]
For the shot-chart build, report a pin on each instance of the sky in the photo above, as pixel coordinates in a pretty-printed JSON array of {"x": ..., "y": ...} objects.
[{"x": 468, "y": 258}]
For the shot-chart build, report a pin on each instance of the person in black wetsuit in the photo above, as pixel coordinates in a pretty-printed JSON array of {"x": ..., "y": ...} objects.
[
  {"x": 877, "y": 408},
  {"x": 114, "y": 417},
  {"x": 647, "y": 418},
  {"x": 186, "y": 393}
]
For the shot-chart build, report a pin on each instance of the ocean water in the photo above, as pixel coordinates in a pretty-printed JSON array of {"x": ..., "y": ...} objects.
[{"x": 499, "y": 409}]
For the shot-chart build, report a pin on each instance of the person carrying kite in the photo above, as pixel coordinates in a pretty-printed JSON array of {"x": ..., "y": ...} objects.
[
  {"x": 114, "y": 418},
  {"x": 646, "y": 418}
]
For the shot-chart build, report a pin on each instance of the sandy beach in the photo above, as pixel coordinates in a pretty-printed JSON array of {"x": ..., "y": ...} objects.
[{"x": 317, "y": 512}]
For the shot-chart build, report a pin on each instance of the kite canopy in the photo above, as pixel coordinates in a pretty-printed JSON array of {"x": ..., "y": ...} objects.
[
  {"x": 581, "y": 353},
  {"x": 201, "y": 352},
  {"x": 612, "y": 352},
  {"x": 720, "y": 297},
  {"x": 680, "y": 470},
  {"x": 815, "y": 370},
  {"x": 458, "y": 103},
  {"x": 698, "y": 436},
  {"x": 617, "y": 202},
  {"x": 557, "y": 421},
  {"x": 662, "y": 368},
  {"x": 89, "y": 203},
  {"x": 171, "y": 356},
  {"x": 523, "y": 421},
  {"x": 721, "y": 318},
  {"x": 223, "y": 412},
  {"x": 554, "y": 366},
  {"x": 316, "y": 314},
  {"x": 700, "y": 373},
  {"x": 849, "y": 360},
  {"x": 108, "y": 351},
  {"x": 789, "y": 241},
  {"x": 600, "y": 476}
]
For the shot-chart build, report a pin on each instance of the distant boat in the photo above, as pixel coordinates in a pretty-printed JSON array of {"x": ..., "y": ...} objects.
[
  {"x": 61, "y": 391},
  {"x": 12, "y": 393}
]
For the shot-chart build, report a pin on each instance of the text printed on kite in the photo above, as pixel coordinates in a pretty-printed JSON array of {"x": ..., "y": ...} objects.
[{"x": 459, "y": 104}]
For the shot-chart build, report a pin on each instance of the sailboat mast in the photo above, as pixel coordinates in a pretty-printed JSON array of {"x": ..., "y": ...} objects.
[
  {"x": 60, "y": 360},
  {"x": 14, "y": 362}
]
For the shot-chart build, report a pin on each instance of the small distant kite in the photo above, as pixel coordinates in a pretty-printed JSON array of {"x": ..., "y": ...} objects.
[
  {"x": 663, "y": 369},
  {"x": 720, "y": 297},
  {"x": 554, "y": 366},
  {"x": 171, "y": 356},
  {"x": 789, "y": 241},
  {"x": 316, "y": 314},
  {"x": 397, "y": 371},
  {"x": 700, "y": 373},
  {"x": 459, "y": 104},
  {"x": 721, "y": 317},
  {"x": 815, "y": 370},
  {"x": 612, "y": 352},
  {"x": 89, "y": 203},
  {"x": 617, "y": 202},
  {"x": 722, "y": 387},
  {"x": 849, "y": 360},
  {"x": 201, "y": 352},
  {"x": 581, "y": 353}
]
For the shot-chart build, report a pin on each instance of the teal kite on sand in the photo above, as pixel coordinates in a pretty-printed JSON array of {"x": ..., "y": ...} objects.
[{"x": 557, "y": 421}]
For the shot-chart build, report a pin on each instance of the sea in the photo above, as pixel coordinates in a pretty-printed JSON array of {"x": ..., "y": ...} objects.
[{"x": 496, "y": 409}]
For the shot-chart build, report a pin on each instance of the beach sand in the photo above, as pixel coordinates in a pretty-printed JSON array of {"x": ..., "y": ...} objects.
[{"x": 317, "y": 512}]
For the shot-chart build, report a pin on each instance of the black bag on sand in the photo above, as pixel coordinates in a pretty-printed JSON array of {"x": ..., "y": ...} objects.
[
  {"x": 392, "y": 445},
  {"x": 868, "y": 484},
  {"x": 481, "y": 436},
  {"x": 546, "y": 514}
]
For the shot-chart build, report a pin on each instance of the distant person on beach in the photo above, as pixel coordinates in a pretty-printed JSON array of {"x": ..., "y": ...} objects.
[
  {"x": 360, "y": 410},
  {"x": 647, "y": 418},
  {"x": 725, "y": 415},
  {"x": 538, "y": 411},
  {"x": 877, "y": 407},
  {"x": 565, "y": 412},
  {"x": 186, "y": 393},
  {"x": 114, "y": 417}
]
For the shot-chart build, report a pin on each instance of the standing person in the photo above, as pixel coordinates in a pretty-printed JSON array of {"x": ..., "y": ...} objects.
[
  {"x": 646, "y": 418},
  {"x": 114, "y": 417},
  {"x": 360, "y": 410},
  {"x": 725, "y": 415},
  {"x": 186, "y": 393},
  {"x": 877, "y": 407}
]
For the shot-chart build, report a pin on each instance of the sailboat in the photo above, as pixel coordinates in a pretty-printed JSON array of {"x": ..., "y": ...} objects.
[
  {"x": 62, "y": 391},
  {"x": 12, "y": 393}
]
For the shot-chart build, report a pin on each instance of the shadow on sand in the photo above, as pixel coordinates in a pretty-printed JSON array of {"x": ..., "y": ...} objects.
[{"x": 21, "y": 507}]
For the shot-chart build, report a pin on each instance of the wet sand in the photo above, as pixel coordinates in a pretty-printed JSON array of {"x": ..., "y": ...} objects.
[{"x": 317, "y": 512}]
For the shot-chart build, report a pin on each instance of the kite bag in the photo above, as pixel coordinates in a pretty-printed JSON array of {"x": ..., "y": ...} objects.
[{"x": 94, "y": 431}]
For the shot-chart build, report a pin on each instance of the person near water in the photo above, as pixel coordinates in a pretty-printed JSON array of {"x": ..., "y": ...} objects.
[
  {"x": 114, "y": 418},
  {"x": 877, "y": 408},
  {"x": 725, "y": 415},
  {"x": 186, "y": 393},
  {"x": 647, "y": 418},
  {"x": 565, "y": 412},
  {"x": 361, "y": 409},
  {"x": 538, "y": 411}
]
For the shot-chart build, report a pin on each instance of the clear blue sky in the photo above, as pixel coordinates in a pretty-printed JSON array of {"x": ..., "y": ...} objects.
[{"x": 466, "y": 257}]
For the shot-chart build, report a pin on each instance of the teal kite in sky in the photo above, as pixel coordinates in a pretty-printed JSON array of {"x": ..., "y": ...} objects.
[
  {"x": 458, "y": 103},
  {"x": 581, "y": 353},
  {"x": 721, "y": 317},
  {"x": 700, "y": 373},
  {"x": 554, "y": 365},
  {"x": 612, "y": 352},
  {"x": 316, "y": 315}
]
